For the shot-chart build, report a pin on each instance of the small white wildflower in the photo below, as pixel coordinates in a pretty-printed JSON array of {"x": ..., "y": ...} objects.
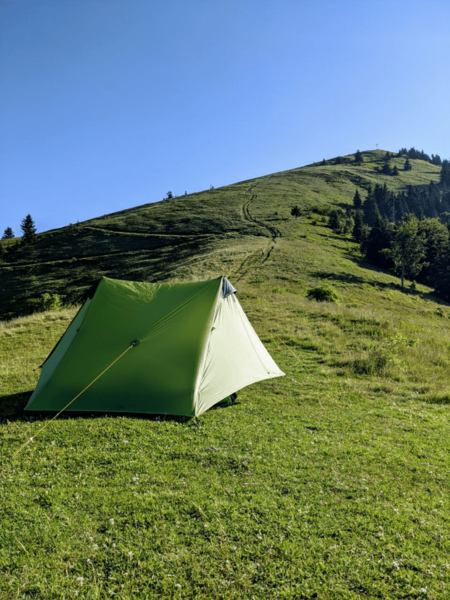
[
  {"x": 80, "y": 580},
  {"x": 95, "y": 546},
  {"x": 113, "y": 545},
  {"x": 91, "y": 539},
  {"x": 112, "y": 521},
  {"x": 130, "y": 554},
  {"x": 178, "y": 585},
  {"x": 88, "y": 560},
  {"x": 395, "y": 510},
  {"x": 395, "y": 564},
  {"x": 125, "y": 441},
  {"x": 136, "y": 478},
  {"x": 423, "y": 590}
]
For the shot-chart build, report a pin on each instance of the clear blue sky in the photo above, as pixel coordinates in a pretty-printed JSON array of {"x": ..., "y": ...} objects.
[{"x": 108, "y": 104}]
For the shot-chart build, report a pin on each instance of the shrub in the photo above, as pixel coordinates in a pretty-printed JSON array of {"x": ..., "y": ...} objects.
[
  {"x": 383, "y": 358},
  {"x": 323, "y": 293},
  {"x": 45, "y": 302}
]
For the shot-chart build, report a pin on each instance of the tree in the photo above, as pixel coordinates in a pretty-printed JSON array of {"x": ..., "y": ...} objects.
[
  {"x": 28, "y": 230},
  {"x": 296, "y": 211},
  {"x": 169, "y": 195},
  {"x": 8, "y": 234},
  {"x": 386, "y": 170},
  {"x": 408, "y": 248},
  {"x": 436, "y": 236},
  {"x": 370, "y": 208},
  {"x": 407, "y": 166},
  {"x": 337, "y": 220},
  {"x": 395, "y": 171},
  {"x": 374, "y": 242},
  {"x": 360, "y": 230},
  {"x": 358, "y": 157},
  {"x": 357, "y": 202},
  {"x": 445, "y": 173}
]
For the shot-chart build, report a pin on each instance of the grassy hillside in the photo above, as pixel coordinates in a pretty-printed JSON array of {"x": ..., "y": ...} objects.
[
  {"x": 201, "y": 235},
  {"x": 329, "y": 483}
]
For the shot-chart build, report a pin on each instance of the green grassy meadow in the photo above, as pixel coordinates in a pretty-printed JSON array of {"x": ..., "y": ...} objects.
[{"x": 329, "y": 483}]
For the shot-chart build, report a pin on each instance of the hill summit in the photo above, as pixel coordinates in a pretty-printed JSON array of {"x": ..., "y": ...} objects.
[{"x": 242, "y": 230}]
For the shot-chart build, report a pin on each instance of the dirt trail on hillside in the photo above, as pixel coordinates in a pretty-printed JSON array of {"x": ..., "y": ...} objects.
[{"x": 259, "y": 257}]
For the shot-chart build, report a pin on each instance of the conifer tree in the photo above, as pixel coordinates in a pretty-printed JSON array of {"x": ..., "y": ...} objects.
[
  {"x": 358, "y": 157},
  {"x": 379, "y": 238},
  {"x": 357, "y": 202},
  {"x": 359, "y": 228},
  {"x": 370, "y": 209},
  {"x": 407, "y": 166},
  {"x": 445, "y": 173},
  {"x": 436, "y": 236},
  {"x": 8, "y": 234},
  {"x": 407, "y": 249},
  {"x": 28, "y": 229}
]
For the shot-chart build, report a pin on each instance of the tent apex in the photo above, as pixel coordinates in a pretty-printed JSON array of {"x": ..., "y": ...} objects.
[{"x": 227, "y": 288}]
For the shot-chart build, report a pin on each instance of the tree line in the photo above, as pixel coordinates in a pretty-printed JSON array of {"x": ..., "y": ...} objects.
[
  {"x": 408, "y": 232},
  {"x": 434, "y": 159},
  {"x": 29, "y": 231}
]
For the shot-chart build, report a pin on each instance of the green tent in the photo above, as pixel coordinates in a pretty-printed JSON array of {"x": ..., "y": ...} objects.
[{"x": 190, "y": 346}]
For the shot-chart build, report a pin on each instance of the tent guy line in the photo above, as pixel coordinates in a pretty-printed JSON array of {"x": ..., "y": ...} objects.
[{"x": 25, "y": 444}]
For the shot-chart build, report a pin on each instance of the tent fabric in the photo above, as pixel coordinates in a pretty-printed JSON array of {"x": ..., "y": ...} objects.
[
  {"x": 194, "y": 347},
  {"x": 227, "y": 288}
]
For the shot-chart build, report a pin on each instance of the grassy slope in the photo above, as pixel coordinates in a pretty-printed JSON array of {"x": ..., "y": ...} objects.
[
  {"x": 330, "y": 483},
  {"x": 195, "y": 236}
]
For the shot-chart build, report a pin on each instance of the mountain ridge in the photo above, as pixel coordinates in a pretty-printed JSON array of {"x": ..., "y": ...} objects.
[{"x": 158, "y": 241}]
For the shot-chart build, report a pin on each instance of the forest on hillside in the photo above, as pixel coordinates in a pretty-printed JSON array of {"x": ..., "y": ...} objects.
[{"x": 407, "y": 232}]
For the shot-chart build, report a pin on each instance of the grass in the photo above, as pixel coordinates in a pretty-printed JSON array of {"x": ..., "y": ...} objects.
[
  {"x": 331, "y": 482},
  {"x": 193, "y": 236}
]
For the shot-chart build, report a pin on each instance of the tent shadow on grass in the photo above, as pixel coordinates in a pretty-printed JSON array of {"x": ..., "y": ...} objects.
[{"x": 12, "y": 408}]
